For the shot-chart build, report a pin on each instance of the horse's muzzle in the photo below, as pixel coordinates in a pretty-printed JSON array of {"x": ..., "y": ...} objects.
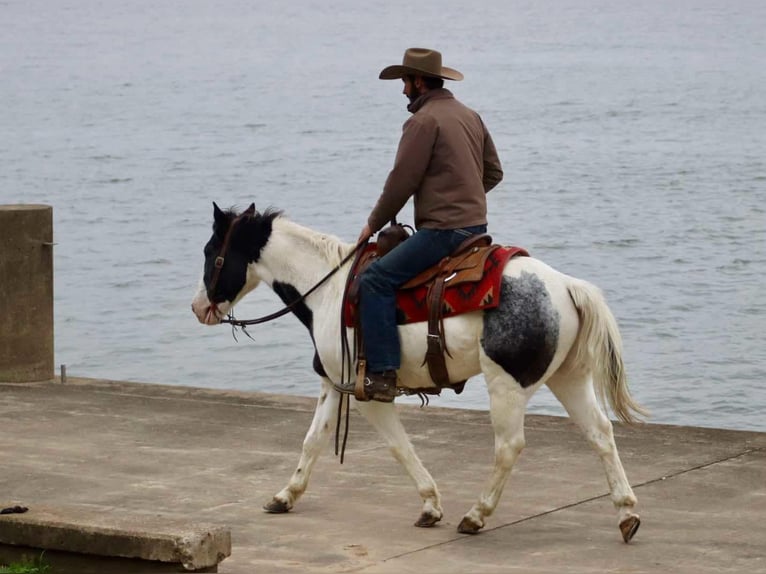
[{"x": 207, "y": 313}]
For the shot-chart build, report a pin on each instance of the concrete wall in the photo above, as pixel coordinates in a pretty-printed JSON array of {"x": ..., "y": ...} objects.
[{"x": 26, "y": 293}]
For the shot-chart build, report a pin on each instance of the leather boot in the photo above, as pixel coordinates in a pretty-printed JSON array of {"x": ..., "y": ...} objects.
[{"x": 380, "y": 386}]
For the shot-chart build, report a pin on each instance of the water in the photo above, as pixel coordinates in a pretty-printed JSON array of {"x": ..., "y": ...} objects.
[{"x": 632, "y": 135}]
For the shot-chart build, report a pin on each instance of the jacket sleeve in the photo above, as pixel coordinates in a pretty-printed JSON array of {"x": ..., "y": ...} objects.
[
  {"x": 493, "y": 171},
  {"x": 412, "y": 159}
]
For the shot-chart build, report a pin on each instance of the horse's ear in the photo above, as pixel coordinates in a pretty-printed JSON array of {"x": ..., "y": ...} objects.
[
  {"x": 250, "y": 210},
  {"x": 218, "y": 215}
]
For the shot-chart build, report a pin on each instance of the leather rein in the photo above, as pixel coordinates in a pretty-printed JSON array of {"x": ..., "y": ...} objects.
[{"x": 221, "y": 258}]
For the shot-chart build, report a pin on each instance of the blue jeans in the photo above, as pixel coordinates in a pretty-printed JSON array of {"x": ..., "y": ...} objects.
[{"x": 377, "y": 289}]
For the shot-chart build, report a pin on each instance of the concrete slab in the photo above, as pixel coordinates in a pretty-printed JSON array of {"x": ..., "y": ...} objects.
[
  {"x": 113, "y": 532},
  {"x": 217, "y": 456},
  {"x": 73, "y": 563}
]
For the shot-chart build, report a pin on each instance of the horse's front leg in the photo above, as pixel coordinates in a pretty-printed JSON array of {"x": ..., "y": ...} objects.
[
  {"x": 315, "y": 442},
  {"x": 384, "y": 418}
]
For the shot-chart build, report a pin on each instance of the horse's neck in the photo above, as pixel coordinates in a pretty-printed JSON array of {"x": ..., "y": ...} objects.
[{"x": 301, "y": 257}]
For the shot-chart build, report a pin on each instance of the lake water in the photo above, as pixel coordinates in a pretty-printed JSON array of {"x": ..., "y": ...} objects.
[{"x": 633, "y": 137}]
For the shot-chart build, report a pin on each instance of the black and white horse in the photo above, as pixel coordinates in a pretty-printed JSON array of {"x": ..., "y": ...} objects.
[{"x": 549, "y": 329}]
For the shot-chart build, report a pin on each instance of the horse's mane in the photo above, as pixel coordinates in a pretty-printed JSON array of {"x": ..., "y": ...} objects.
[
  {"x": 329, "y": 246},
  {"x": 270, "y": 213},
  {"x": 232, "y": 212}
]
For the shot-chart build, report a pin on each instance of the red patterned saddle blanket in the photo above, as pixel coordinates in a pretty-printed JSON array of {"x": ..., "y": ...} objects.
[{"x": 463, "y": 294}]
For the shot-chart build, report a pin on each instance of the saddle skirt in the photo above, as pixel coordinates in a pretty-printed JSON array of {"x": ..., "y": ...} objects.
[{"x": 475, "y": 285}]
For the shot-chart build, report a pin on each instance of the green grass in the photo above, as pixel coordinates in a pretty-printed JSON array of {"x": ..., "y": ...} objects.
[{"x": 26, "y": 566}]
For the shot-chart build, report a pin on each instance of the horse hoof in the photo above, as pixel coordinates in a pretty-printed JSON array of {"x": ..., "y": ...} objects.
[
  {"x": 426, "y": 520},
  {"x": 276, "y": 506},
  {"x": 629, "y": 527},
  {"x": 468, "y": 526}
]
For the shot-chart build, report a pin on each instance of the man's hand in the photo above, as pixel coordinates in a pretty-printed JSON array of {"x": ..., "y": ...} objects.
[{"x": 365, "y": 234}]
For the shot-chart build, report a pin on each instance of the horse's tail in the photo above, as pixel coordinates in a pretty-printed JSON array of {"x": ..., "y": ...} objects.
[{"x": 599, "y": 349}]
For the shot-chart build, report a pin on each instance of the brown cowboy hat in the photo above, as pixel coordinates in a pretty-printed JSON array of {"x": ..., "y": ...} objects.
[{"x": 420, "y": 62}]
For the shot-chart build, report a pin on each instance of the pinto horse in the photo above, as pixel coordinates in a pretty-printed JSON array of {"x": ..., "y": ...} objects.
[{"x": 549, "y": 328}]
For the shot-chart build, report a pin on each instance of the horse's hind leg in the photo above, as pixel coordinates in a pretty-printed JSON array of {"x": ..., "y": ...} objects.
[
  {"x": 385, "y": 419},
  {"x": 578, "y": 397},
  {"x": 314, "y": 443},
  {"x": 507, "y": 404}
]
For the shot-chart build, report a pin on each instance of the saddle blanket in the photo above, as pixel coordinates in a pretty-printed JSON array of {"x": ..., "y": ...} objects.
[{"x": 412, "y": 304}]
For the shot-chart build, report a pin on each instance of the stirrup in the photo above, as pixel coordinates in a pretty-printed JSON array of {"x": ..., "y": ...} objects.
[
  {"x": 345, "y": 388},
  {"x": 354, "y": 387}
]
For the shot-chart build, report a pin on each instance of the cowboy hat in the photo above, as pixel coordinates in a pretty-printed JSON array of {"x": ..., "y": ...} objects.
[{"x": 420, "y": 62}]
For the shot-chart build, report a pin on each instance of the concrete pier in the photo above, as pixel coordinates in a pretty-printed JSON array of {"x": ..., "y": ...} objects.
[
  {"x": 215, "y": 457},
  {"x": 26, "y": 293}
]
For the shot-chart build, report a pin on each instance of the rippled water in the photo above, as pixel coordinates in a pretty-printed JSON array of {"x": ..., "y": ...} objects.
[{"x": 632, "y": 135}]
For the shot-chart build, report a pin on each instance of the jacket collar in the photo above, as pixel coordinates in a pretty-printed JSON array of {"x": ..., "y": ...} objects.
[{"x": 438, "y": 94}]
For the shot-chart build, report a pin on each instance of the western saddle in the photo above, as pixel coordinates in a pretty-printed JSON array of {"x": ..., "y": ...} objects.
[{"x": 465, "y": 264}]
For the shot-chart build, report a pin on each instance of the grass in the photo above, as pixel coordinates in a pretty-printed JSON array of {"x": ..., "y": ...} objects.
[{"x": 26, "y": 566}]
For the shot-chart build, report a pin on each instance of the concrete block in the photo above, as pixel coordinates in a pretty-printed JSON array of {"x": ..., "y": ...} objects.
[
  {"x": 113, "y": 532},
  {"x": 26, "y": 293}
]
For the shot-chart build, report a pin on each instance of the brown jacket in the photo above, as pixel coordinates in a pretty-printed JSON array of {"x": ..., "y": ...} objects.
[{"x": 447, "y": 160}]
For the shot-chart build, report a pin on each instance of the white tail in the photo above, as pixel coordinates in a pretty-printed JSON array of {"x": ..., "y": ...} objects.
[{"x": 599, "y": 349}]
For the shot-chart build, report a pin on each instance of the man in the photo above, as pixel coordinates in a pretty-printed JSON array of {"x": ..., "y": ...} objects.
[{"x": 446, "y": 159}]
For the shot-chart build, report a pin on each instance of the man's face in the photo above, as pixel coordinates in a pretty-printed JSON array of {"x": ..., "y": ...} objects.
[{"x": 410, "y": 89}]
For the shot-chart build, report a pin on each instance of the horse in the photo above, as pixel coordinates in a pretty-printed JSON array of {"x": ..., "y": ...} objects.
[{"x": 548, "y": 328}]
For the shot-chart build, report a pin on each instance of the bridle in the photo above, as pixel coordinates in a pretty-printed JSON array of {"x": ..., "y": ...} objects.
[{"x": 221, "y": 259}]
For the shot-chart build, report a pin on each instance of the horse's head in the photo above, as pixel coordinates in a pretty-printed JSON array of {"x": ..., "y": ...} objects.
[{"x": 236, "y": 244}]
